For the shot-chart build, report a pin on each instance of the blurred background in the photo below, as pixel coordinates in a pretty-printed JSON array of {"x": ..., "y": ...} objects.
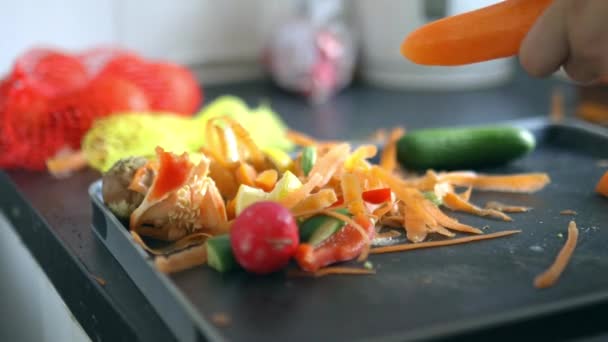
[
  {"x": 236, "y": 40},
  {"x": 224, "y": 41},
  {"x": 316, "y": 48}
]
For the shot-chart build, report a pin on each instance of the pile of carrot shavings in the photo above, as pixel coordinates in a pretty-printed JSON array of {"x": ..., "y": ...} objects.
[{"x": 340, "y": 183}]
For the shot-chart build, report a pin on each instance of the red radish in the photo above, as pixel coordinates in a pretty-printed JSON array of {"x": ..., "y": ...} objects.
[{"x": 264, "y": 237}]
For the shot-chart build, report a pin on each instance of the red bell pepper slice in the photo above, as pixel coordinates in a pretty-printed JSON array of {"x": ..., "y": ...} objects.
[
  {"x": 376, "y": 196},
  {"x": 346, "y": 244}
]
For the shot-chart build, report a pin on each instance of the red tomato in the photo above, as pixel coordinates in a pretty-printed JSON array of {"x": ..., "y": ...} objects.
[
  {"x": 50, "y": 72},
  {"x": 264, "y": 237},
  {"x": 169, "y": 87},
  {"x": 114, "y": 94},
  {"x": 179, "y": 90},
  {"x": 104, "y": 96},
  {"x": 5, "y": 88},
  {"x": 39, "y": 127},
  {"x": 95, "y": 59}
]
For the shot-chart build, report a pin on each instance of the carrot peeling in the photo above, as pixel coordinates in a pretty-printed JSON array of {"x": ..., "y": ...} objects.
[
  {"x": 388, "y": 160},
  {"x": 314, "y": 203},
  {"x": 602, "y": 185},
  {"x": 505, "y": 208},
  {"x": 431, "y": 244},
  {"x": 456, "y": 203},
  {"x": 295, "y": 197},
  {"x": 183, "y": 260},
  {"x": 300, "y": 138},
  {"x": 488, "y": 33},
  {"x": 335, "y": 270},
  {"x": 518, "y": 183},
  {"x": 552, "y": 274},
  {"x": 266, "y": 180},
  {"x": 66, "y": 162},
  {"x": 183, "y": 243}
]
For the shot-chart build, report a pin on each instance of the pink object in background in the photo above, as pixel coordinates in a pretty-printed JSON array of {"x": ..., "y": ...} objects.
[{"x": 313, "y": 52}]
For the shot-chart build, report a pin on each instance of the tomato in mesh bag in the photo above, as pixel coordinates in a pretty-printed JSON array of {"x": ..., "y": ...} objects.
[
  {"x": 169, "y": 87},
  {"x": 106, "y": 95},
  {"x": 50, "y": 72},
  {"x": 186, "y": 94},
  {"x": 40, "y": 134},
  {"x": 97, "y": 58},
  {"x": 22, "y": 113},
  {"x": 50, "y": 99}
]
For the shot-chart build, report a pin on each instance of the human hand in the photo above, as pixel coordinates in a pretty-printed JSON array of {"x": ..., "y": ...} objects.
[{"x": 570, "y": 34}]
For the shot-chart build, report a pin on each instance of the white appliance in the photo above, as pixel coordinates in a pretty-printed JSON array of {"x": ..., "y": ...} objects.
[{"x": 382, "y": 25}]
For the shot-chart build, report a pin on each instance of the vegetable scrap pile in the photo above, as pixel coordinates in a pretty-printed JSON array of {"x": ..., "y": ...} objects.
[
  {"x": 233, "y": 205},
  {"x": 50, "y": 98},
  {"x": 117, "y": 137}
]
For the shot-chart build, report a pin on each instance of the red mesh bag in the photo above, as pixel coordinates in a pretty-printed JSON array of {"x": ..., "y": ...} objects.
[
  {"x": 50, "y": 72},
  {"x": 169, "y": 87},
  {"x": 50, "y": 99},
  {"x": 61, "y": 122}
]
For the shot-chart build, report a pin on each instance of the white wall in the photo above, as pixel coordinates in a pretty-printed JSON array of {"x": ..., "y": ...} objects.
[{"x": 211, "y": 35}]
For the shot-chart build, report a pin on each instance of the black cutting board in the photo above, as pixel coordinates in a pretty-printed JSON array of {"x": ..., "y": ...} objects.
[{"x": 424, "y": 294}]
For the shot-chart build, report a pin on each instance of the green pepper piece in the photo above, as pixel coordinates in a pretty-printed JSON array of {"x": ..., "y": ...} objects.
[
  {"x": 219, "y": 254},
  {"x": 318, "y": 228},
  {"x": 309, "y": 158}
]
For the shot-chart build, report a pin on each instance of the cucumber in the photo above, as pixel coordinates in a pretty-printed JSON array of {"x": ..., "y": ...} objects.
[
  {"x": 318, "y": 228},
  {"x": 309, "y": 158},
  {"x": 463, "y": 148},
  {"x": 219, "y": 254}
]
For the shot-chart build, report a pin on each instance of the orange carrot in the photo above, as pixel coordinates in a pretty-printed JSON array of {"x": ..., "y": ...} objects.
[
  {"x": 449, "y": 242},
  {"x": 456, "y": 203},
  {"x": 351, "y": 190},
  {"x": 315, "y": 203},
  {"x": 181, "y": 244},
  {"x": 522, "y": 183},
  {"x": 552, "y": 274},
  {"x": 298, "y": 195},
  {"x": 505, "y": 208},
  {"x": 557, "y": 106},
  {"x": 301, "y": 139},
  {"x": 231, "y": 208},
  {"x": 602, "y": 185},
  {"x": 388, "y": 160},
  {"x": 266, "y": 180},
  {"x": 183, "y": 260},
  {"x": 447, "y": 221},
  {"x": 484, "y": 34},
  {"x": 335, "y": 270},
  {"x": 245, "y": 174},
  {"x": 66, "y": 163},
  {"x": 593, "y": 112}
]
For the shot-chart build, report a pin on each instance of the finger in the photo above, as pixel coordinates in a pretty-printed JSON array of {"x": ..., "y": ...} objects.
[
  {"x": 588, "y": 36},
  {"x": 545, "y": 47}
]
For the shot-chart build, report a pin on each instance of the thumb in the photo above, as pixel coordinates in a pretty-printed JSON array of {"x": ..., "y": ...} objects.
[{"x": 545, "y": 47}]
